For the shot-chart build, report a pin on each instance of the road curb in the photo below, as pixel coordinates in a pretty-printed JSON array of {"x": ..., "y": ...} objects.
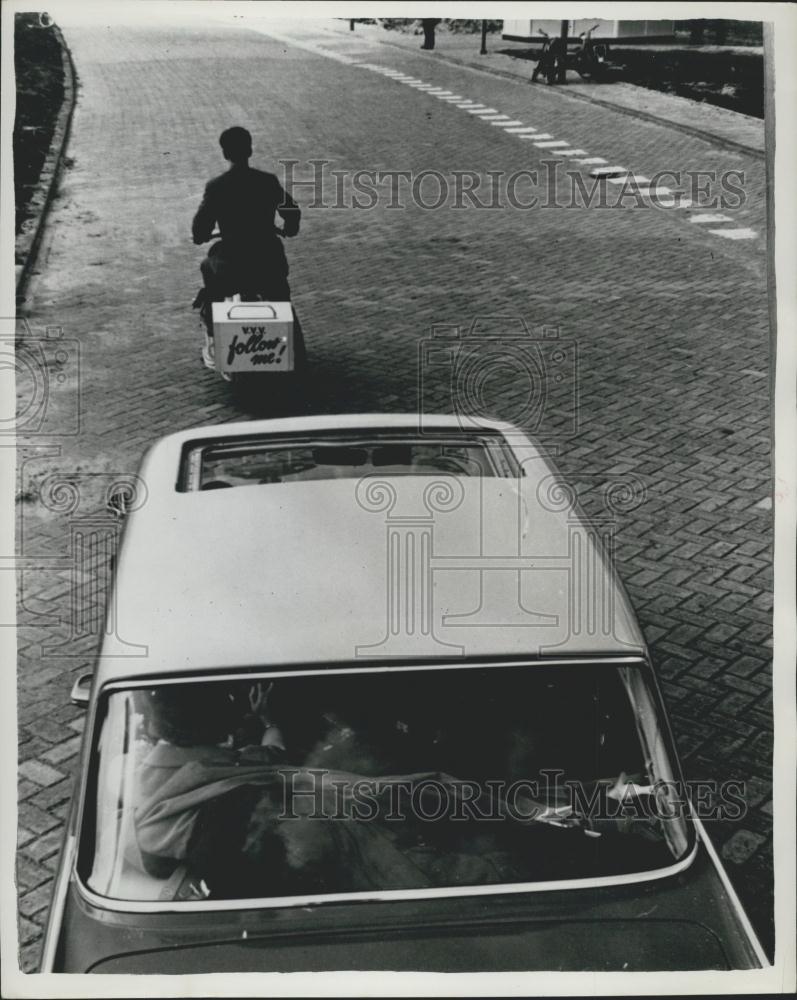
[
  {"x": 29, "y": 240},
  {"x": 708, "y": 136}
]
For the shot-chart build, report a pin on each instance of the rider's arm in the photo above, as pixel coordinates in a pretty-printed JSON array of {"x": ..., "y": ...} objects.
[
  {"x": 204, "y": 220},
  {"x": 289, "y": 212}
]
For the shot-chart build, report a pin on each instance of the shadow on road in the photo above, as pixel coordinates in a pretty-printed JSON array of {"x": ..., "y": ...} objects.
[{"x": 272, "y": 396}]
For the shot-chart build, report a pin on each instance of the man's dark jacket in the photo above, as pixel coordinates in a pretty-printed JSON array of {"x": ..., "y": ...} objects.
[{"x": 243, "y": 202}]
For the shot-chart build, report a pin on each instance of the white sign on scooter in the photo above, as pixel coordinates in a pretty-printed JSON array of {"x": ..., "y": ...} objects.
[{"x": 253, "y": 336}]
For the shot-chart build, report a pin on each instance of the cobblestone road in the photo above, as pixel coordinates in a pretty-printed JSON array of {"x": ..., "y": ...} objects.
[{"x": 670, "y": 323}]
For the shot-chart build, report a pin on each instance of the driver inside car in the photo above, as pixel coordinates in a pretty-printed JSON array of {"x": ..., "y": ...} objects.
[{"x": 207, "y": 746}]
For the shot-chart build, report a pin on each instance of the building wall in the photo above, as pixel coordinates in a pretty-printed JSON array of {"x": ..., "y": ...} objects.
[{"x": 529, "y": 30}]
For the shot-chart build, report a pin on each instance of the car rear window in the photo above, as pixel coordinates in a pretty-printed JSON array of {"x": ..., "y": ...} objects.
[
  {"x": 215, "y": 465},
  {"x": 336, "y": 782}
]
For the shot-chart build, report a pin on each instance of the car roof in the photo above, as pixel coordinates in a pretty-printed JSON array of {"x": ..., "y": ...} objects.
[{"x": 325, "y": 571}]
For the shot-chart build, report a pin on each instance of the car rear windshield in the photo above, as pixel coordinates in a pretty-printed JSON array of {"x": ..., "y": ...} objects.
[
  {"x": 215, "y": 465},
  {"x": 337, "y": 782}
]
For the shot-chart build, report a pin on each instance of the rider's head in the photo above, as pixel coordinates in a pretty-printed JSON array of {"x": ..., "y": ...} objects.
[{"x": 236, "y": 144}]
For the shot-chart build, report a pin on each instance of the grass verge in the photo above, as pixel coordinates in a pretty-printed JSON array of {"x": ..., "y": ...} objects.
[{"x": 39, "y": 72}]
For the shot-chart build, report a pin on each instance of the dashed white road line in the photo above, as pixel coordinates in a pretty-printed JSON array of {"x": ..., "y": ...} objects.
[
  {"x": 635, "y": 179},
  {"x": 666, "y": 198},
  {"x": 735, "y": 234},
  {"x": 662, "y": 195},
  {"x": 704, "y": 220}
]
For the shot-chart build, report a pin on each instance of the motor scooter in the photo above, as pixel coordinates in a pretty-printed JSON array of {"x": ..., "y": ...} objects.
[{"x": 249, "y": 336}]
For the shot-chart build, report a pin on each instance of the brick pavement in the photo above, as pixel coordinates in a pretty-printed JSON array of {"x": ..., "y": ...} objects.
[{"x": 670, "y": 324}]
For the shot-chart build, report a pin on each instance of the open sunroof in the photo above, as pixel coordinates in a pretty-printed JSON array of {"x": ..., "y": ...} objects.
[{"x": 245, "y": 462}]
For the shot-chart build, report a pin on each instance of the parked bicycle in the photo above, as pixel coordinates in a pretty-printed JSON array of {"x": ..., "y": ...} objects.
[{"x": 552, "y": 60}]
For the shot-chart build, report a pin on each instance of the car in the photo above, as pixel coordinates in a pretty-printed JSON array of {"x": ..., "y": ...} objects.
[{"x": 371, "y": 696}]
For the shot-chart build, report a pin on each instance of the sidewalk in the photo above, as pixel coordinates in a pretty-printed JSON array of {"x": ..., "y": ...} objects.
[{"x": 716, "y": 125}]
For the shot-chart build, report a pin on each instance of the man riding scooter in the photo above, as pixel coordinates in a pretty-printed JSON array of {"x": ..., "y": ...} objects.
[{"x": 249, "y": 259}]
